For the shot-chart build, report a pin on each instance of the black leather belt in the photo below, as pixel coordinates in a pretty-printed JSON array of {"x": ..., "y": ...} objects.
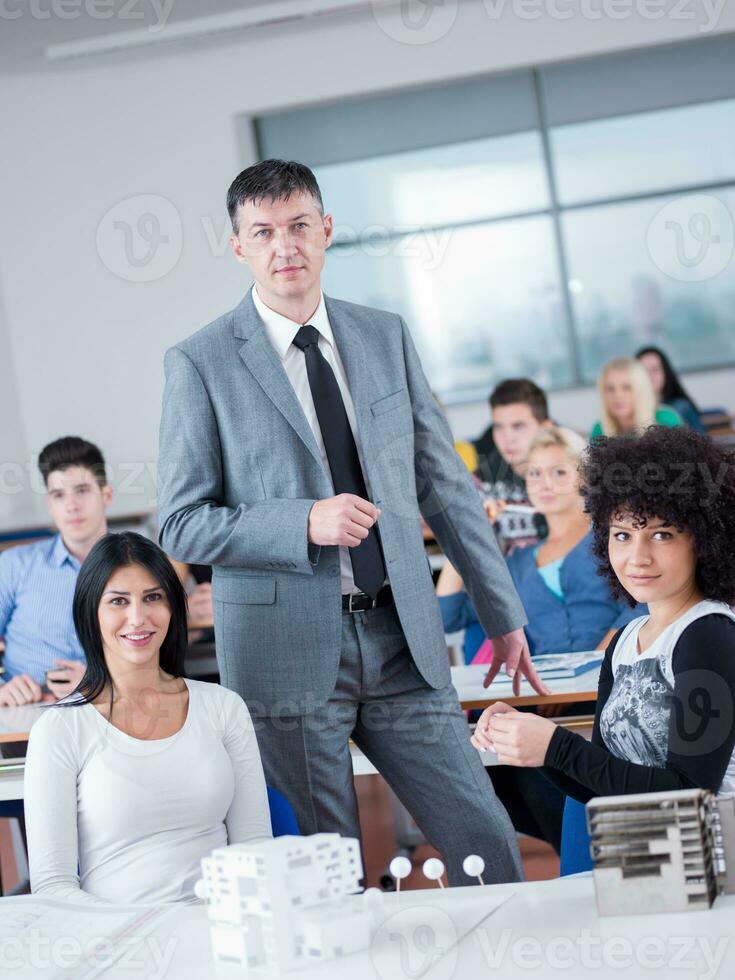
[{"x": 359, "y": 602}]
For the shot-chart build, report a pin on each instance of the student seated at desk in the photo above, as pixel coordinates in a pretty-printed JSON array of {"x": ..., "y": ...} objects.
[
  {"x": 137, "y": 777},
  {"x": 628, "y": 401},
  {"x": 569, "y": 606},
  {"x": 37, "y": 580},
  {"x": 662, "y": 511},
  {"x": 667, "y": 386}
]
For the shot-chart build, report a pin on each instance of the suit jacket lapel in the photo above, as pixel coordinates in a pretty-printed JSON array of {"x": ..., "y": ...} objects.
[
  {"x": 265, "y": 365},
  {"x": 353, "y": 353}
]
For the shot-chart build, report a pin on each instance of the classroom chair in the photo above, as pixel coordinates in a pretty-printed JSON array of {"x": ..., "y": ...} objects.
[
  {"x": 575, "y": 841},
  {"x": 283, "y": 819}
]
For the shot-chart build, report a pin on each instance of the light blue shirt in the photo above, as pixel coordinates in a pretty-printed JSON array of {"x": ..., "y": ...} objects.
[
  {"x": 37, "y": 583},
  {"x": 551, "y": 574}
]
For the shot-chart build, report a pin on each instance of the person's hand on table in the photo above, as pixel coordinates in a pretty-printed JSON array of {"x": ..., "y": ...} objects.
[
  {"x": 342, "y": 520},
  {"x": 20, "y": 690},
  {"x": 512, "y": 650},
  {"x": 518, "y": 737},
  {"x": 64, "y": 678},
  {"x": 200, "y": 603}
]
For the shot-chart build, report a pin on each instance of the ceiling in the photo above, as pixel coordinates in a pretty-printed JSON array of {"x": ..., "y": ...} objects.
[{"x": 27, "y": 27}]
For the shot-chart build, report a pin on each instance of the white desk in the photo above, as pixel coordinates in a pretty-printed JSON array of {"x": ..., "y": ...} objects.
[
  {"x": 468, "y": 682},
  {"x": 543, "y": 929},
  {"x": 16, "y": 723}
]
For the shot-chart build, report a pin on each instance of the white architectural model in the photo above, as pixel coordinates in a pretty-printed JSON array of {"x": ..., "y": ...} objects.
[
  {"x": 283, "y": 903},
  {"x": 655, "y": 852}
]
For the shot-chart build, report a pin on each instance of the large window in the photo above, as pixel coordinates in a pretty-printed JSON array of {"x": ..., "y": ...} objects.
[{"x": 540, "y": 222}]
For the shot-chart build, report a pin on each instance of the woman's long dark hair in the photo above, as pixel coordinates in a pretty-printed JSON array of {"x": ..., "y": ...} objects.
[
  {"x": 110, "y": 553},
  {"x": 673, "y": 388}
]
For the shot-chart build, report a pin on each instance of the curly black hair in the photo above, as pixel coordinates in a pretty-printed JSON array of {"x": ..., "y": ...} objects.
[{"x": 676, "y": 475}]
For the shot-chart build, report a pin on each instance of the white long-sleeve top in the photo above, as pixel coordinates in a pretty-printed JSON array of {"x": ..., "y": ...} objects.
[{"x": 137, "y": 816}]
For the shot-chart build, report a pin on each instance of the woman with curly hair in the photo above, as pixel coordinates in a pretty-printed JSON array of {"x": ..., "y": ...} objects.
[{"x": 662, "y": 510}]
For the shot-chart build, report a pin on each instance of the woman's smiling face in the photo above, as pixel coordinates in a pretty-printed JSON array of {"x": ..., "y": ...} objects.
[
  {"x": 134, "y": 616},
  {"x": 653, "y": 561}
]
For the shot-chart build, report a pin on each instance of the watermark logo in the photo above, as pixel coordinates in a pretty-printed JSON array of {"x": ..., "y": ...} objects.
[
  {"x": 692, "y": 238},
  {"x": 140, "y": 239},
  {"x": 415, "y": 943},
  {"x": 415, "y": 21},
  {"x": 154, "y": 12}
]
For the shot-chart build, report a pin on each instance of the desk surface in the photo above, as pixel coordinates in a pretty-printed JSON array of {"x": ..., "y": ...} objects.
[
  {"x": 16, "y": 723},
  {"x": 531, "y": 930}
]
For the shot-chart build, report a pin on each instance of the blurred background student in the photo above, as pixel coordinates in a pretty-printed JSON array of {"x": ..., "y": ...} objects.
[
  {"x": 667, "y": 386},
  {"x": 628, "y": 400},
  {"x": 569, "y": 607}
]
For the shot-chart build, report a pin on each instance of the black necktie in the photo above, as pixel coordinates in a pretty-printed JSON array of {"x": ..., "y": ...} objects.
[{"x": 344, "y": 463}]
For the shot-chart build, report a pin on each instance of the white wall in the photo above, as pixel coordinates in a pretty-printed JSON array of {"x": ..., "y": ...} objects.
[{"x": 86, "y": 345}]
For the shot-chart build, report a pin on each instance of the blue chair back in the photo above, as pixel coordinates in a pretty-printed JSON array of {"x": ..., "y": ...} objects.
[
  {"x": 575, "y": 841},
  {"x": 283, "y": 819}
]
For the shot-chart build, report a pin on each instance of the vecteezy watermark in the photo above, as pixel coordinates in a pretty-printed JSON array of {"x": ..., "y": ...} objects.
[
  {"x": 426, "y": 21},
  {"x": 140, "y": 239},
  {"x": 415, "y": 21},
  {"x": 414, "y": 943},
  {"x": 132, "y": 11},
  {"x": 700, "y": 956},
  {"x": 692, "y": 238},
  {"x": 144, "y": 957}
]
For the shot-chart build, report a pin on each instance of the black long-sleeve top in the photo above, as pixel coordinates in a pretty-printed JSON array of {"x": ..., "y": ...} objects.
[{"x": 701, "y": 728}]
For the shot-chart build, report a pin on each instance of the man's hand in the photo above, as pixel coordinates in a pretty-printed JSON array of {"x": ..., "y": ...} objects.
[
  {"x": 20, "y": 690},
  {"x": 512, "y": 650},
  {"x": 199, "y": 603},
  {"x": 342, "y": 520},
  {"x": 66, "y": 678}
]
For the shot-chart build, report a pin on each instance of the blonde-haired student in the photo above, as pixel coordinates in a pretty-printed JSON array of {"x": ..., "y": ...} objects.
[{"x": 628, "y": 401}]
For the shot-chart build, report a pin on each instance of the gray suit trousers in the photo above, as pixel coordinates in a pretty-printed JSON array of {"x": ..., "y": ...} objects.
[{"x": 416, "y": 736}]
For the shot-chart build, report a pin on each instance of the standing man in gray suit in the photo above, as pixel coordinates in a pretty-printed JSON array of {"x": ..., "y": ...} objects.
[{"x": 299, "y": 442}]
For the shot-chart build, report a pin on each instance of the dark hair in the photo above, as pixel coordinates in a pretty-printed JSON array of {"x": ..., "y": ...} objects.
[
  {"x": 673, "y": 388},
  {"x": 516, "y": 391},
  {"x": 110, "y": 553},
  {"x": 676, "y": 475},
  {"x": 276, "y": 179},
  {"x": 72, "y": 451}
]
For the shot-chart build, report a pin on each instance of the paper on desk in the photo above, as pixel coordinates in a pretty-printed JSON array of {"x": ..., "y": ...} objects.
[{"x": 57, "y": 940}]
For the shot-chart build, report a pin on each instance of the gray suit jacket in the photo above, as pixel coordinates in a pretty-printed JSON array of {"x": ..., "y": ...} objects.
[{"x": 239, "y": 470}]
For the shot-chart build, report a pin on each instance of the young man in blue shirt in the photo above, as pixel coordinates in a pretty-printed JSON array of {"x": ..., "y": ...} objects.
[{"x": 37, "y": 581}]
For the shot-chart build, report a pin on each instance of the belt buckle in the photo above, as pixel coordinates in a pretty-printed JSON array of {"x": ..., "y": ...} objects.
[{"x": 362, "y": 596}]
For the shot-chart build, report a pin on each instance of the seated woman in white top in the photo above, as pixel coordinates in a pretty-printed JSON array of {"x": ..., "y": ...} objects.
[
  {"x": 139, "y": 774},
  {"x": 662, "y": 511}
]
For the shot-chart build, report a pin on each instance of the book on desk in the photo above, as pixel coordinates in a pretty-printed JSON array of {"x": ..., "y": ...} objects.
[{"x": 549, "y": 666}]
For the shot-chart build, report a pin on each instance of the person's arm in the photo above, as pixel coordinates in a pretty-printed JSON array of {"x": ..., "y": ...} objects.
[
  {"x": 50, "y": 791},
  {"x": 451, "y": 506},
  {"x": 457, "y": 612},
  {"x": 248, "y": 818},
  {"x": 701, "y": 733},
  {"x": 8, "y": 587},
  {"x": 194, "y": 524}
]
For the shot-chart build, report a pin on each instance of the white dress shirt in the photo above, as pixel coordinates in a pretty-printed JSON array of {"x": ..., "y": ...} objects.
[{"x": 281, "y": 332}]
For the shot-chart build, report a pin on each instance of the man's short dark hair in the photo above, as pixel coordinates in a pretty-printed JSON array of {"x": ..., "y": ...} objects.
[
  {"x": 72, "y": 451},
  {"x": 275, "y": 179},
  {"x": 521, "y": 391}
]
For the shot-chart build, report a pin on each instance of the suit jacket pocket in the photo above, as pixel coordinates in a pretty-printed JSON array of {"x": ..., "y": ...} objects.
[
  {"x": 389, "y": 402},
  {"x": 249, "y": 590}
]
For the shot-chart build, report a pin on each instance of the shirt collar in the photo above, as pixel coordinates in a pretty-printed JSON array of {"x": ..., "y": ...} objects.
[
  {"x": 281, "y": 331},
  {"x": 60, "y": 554}
]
